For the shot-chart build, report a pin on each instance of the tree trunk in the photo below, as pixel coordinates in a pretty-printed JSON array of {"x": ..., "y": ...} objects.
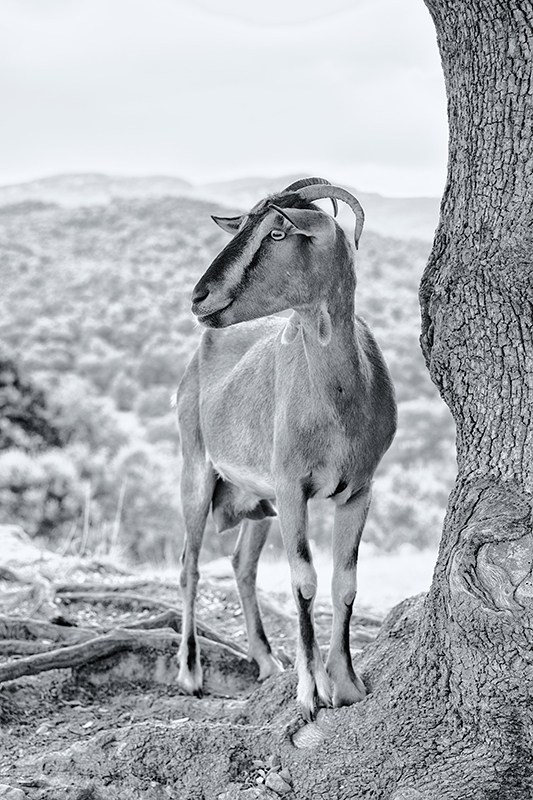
[{"x": 477, "y": 301}]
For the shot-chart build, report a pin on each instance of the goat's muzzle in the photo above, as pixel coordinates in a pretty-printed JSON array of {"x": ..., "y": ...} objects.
[
  {"x": 208, "y": 307},
  {"x": 199, "y": 294}
]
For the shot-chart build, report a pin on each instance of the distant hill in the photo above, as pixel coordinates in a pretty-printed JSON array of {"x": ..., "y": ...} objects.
[
  {"x": 402, "y": 218},
  {"x": 92, "y": 189}
]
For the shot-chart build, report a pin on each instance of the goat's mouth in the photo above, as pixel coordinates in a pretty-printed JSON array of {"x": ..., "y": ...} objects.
[{"x": 211, "y": 319}]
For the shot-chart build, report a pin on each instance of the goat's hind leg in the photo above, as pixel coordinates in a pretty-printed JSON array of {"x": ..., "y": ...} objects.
[
  {"x": 348, "y": 527},
  {"x": 252, "y": 537}
]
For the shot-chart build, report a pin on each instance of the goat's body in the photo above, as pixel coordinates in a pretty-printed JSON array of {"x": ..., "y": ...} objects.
[
  {"x": 281, "y": 411},
  {"x": 236, "y": 371}
]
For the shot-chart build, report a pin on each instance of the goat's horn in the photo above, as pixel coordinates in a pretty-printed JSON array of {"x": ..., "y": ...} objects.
[
  {"x": 297, "y": 185},
  {"x": 306, "y": 182},
  {"x": 317, "y": 192}
]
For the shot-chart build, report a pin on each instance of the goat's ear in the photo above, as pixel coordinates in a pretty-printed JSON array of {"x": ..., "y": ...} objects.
[
  {"x": 228, "y": 224},
  {"x": 303, "y": 220}
]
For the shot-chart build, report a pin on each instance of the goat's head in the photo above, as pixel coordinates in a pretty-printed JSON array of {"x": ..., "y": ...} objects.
[{"x": 281, "y": 254}]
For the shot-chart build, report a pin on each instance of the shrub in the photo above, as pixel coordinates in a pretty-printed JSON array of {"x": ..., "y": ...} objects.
[{"x": 41, "y": 492}]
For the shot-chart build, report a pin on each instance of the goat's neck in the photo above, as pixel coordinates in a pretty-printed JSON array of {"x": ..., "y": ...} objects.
[{"x": 330, "y": 340}]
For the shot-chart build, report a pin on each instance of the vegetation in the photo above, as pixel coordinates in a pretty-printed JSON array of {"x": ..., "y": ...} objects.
[
  {"x": 95, "y": 310},
  {"x": 25, "y": 422}
]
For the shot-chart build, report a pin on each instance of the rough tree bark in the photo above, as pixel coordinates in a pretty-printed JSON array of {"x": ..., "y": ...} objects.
[
  {"x": 477, "y": 336},
  {"x": 473, "y": 648}
]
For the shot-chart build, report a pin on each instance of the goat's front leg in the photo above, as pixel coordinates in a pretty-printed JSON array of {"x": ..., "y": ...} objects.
[
  {"x": 252, "y": 537},
  {"x": 348, "y": 527},
  {"x": 313, "y": 682},
  {"x": 197, "y": 486}
]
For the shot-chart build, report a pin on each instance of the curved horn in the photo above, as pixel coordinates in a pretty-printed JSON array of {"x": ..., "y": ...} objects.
[
  {"x": 317, "y": 192},
  {"x": 303, "y": 182},
  {"x": 306, "y": 182}
]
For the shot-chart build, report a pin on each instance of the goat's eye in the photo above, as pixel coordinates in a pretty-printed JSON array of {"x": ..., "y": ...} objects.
[{"x": 277, "y": 235}]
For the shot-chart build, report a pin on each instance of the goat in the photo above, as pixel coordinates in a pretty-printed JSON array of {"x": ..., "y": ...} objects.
[{"x": 278, "y": 411}]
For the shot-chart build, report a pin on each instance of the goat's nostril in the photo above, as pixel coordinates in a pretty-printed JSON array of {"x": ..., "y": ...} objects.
[{"x": 199, "y": 295}]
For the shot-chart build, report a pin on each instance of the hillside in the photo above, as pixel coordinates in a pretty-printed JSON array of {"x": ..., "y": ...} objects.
[
  {"x": 83, "y": 189},
  {"x": 403, "y": 218},
  {"x": 94, "y": 304}
]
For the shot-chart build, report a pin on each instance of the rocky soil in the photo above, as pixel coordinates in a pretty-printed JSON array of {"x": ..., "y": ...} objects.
[{"x": 107, "y": 720}]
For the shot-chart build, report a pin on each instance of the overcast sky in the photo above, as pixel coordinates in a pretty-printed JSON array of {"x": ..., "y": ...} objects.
[{"x": 218, "y": 89}]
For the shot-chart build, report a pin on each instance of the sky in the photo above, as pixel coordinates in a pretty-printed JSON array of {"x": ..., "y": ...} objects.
[{"x": 208, "y": 90}]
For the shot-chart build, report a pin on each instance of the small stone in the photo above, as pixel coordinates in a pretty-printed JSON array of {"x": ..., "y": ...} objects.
[
  {"x": 286, "y": 775},
  {"x": 43, "y": 730},
  {"x": 309, "y": 735},
  {"x": 277, "y": 784},
  {"x": 11, "y": 793},
  {"x": 408, "y": 794},
  {"x": 254, "y": 793}
]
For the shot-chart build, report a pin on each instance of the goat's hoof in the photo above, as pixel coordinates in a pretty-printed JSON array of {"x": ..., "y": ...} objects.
[
  {"x": 309, "y": 711},
  {"x": 190, "y": 682},
  {"x": 310, "y": 703},
  {"x": 191, "y": 688},
  {"x": 348, "y": 693}
]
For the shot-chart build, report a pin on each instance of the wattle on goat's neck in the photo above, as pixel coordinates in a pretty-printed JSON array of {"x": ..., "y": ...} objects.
[{"x": 329, "y": 337}]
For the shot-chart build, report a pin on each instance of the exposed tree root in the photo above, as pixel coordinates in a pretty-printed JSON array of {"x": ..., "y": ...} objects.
[
  {"x": 71, "y": 656},
  {"x": 20, "y": 647},
  {"x": 122, "y": 639},
  {"x": 171, "y": 617},
  {"x": 115, "y": 598},
  {"x": 27, "y": 629},
  {"x": 119, "y": 588}
]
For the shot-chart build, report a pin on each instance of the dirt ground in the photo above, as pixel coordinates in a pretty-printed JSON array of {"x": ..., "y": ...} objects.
[{"x": 118, "y": 727}]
